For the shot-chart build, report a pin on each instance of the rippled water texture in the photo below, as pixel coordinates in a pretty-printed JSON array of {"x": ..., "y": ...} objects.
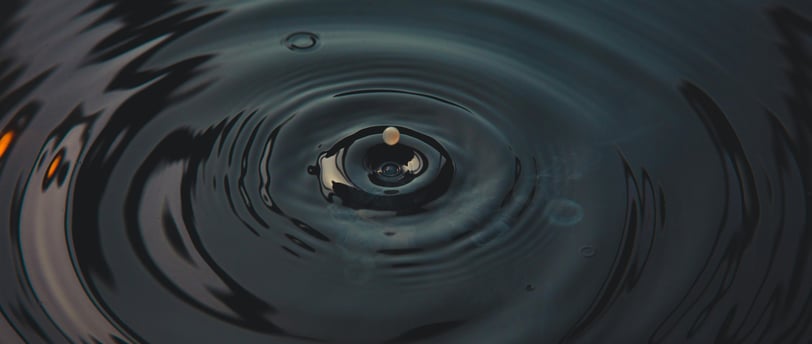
[{"x": 561, "y": 171}]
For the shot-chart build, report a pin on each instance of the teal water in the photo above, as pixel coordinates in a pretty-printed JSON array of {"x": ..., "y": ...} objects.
[{"x": 567, "y": 172}]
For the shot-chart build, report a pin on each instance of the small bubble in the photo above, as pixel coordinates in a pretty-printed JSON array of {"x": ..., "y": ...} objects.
[
  {"x": 587, "y": 251},
  {"x": 565, "y": 212},
  {"x": 312, "y": 169},
  {"x": 530, "y": 287},
  {"x": 301, "y": 41}
]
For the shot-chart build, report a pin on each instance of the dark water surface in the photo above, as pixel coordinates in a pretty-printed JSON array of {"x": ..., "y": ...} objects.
[{"x": 568, "y": 171}]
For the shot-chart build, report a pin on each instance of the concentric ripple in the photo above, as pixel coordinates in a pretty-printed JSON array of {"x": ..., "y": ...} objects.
[{"x": 216, "y": 171}]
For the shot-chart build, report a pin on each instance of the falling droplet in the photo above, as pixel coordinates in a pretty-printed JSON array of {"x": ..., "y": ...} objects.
[
  {"x": 302, "y": 41},
  {"x": 391, "y": 136}
]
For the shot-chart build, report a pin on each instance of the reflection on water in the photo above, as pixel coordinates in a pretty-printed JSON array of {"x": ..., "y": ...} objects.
[
  {"x": 562, "y": 172},
  {"x": 5, "y": 142}
]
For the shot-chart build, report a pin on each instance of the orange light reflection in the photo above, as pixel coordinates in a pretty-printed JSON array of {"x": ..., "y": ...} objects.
[
  {"x": 5, "y": 142},
  {"x": 54, "y": 166}
]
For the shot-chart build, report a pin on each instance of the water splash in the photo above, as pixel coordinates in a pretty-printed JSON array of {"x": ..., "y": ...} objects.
[{"x": 569, "y": 172}]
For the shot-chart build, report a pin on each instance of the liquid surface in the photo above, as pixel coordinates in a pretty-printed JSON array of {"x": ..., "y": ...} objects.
[{"x": 565, "y": 172}]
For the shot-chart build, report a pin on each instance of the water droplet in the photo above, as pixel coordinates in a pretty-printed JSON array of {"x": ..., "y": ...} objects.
[
  {"x": 302, "y": 41},
  {"x": 391, "y": 136},
  {"x": 565, "y": 212},
  {"x": 587, "y": 251}
]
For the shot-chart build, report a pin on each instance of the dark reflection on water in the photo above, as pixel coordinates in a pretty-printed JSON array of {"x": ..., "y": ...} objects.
[{"x": 567, "y": 172}]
